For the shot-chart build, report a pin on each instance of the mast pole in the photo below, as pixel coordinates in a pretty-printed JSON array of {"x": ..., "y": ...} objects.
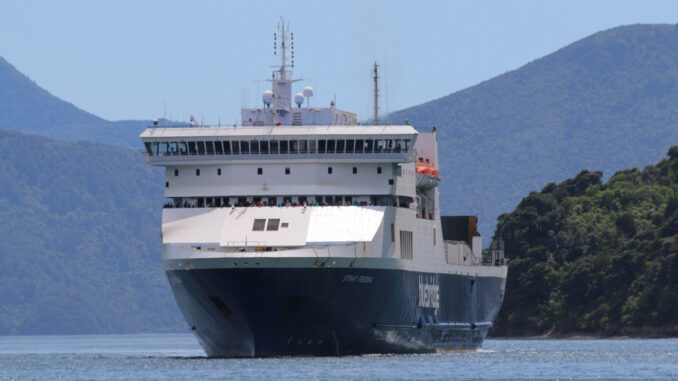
[
  {"x": 283, "y": 46},
  {"x": 376, "y": 94}
]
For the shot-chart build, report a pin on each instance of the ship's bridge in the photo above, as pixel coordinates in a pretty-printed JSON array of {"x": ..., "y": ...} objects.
[{"x": 206, "y": 145}]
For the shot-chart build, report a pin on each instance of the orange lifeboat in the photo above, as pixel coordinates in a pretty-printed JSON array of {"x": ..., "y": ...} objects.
[{"x": 427, "y": 175}]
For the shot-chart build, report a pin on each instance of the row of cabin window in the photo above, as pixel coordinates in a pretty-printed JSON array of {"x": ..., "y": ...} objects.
[
  {"x": 274, "y": 147},
  {"x": 260, "y": 171},
  {"x": 200, "y": 202}
]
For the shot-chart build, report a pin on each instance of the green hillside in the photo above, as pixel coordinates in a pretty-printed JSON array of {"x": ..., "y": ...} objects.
[
  {"x": 26, "y": 107},
  {"x": 80, "y": 240},
  {"x": 608, "y": 101},
  {"x": 594, "y": 257}
]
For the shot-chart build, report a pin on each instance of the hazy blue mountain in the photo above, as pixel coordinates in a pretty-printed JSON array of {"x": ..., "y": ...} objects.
[
  {"x": 26, "y": 107},
  {"x": 80, "y": 239},
  {"x": 606, "y": 102}
]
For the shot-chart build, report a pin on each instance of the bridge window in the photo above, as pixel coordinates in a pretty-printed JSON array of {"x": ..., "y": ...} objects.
[
  {"x": 287, "y": 171},
  {"x": 378, "y": 169},
  {"x": 260, "y": 171},
  {"x": 368, "y": 145},
  {"x": 219, "y": 171},
  {"x": 176, "y": 172},
  {"x": 378, "y": 146},
  {"x": 292, "y": 146},
  {"x": 329, "y": 170},
  {"x": 359, "y": 145},
  {"x": 349, "y": 146},
  {"x": 197, "y": 172},
  {"x": 355, "y": 170},
  {"x": 388, "y": 145},
  {"x": 174, "y": 147},
  {"x": 340, "y": 146}
]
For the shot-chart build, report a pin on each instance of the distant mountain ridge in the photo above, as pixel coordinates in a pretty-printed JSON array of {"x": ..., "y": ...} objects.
[
  {"x": 26, "y": 107},
  {"x": 80, "y": 240},
  {"x": 605, "y": 102}
]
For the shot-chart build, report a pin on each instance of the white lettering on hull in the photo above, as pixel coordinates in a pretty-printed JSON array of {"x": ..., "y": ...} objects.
[{"x": 429, "y": 292}]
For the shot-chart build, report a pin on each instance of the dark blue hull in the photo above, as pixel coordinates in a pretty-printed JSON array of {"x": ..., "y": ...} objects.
[{"x": 334, "y": 311}]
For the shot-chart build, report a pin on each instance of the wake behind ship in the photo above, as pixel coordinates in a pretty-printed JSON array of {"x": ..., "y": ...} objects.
[{"x": 301, "y": 232}]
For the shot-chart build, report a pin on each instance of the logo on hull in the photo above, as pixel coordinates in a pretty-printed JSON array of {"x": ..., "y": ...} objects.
[{"x": 429, "y": 292}]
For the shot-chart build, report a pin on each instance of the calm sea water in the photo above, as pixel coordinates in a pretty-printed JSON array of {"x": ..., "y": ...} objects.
[{"x": 178, "y": 357}]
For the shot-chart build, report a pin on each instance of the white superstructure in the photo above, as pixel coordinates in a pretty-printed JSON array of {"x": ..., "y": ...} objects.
[{"x": 294, "y": 180}]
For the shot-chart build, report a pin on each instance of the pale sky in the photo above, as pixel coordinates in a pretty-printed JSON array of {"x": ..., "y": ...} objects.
[{"x": 132, "y": 59}]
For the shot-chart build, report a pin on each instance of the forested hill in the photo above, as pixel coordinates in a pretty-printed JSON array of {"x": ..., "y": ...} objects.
[
  {"x": 26, "y": 107},
  {"x": 593, "y": 257},
  {"x": 608, "y": 101},
  {"x": 80, "y": 240}
]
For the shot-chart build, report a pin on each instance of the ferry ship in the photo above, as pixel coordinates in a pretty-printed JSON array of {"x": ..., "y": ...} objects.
[{"x": 304, "y": 232}]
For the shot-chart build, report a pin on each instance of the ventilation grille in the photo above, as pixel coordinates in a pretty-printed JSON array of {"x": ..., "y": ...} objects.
[
  {"x": 296, "y": 118},
  {"x": 405, "y": 245}
]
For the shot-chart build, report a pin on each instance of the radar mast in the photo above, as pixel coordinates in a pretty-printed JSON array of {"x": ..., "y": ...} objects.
[{"x": 282, "y": 78}]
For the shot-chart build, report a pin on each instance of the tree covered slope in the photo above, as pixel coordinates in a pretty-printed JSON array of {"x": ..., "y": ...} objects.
[
  {"x": 80, "y": 240},
  {"x": 595, "y": 257}
]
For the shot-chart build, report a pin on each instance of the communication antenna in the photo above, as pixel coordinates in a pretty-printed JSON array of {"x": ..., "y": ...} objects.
[
  {"x": 284, "y": 40},
  {"x": 376, "y": 93}
]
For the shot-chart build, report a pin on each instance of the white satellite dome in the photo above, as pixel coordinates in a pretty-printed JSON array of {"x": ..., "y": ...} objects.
[
  {"x": 308, "y": 91},
  {"x": 299, "y": 99},
  {"x": 267, "y": 97}
]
